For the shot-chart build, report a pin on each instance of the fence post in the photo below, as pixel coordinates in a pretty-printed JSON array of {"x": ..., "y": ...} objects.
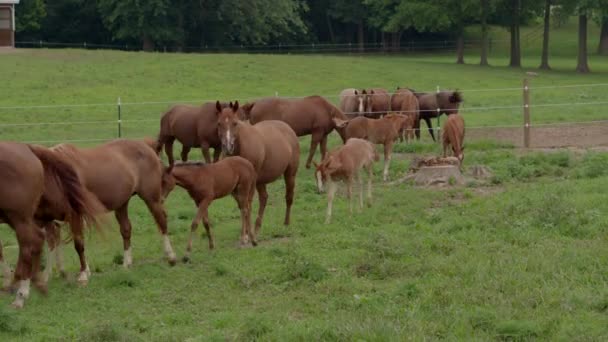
[
  {"x": 438, "y": 120},
  {"x": 276, "y": 94},
  {"x": 119, "y": 119},
  {"x": 526, "y": 113}
]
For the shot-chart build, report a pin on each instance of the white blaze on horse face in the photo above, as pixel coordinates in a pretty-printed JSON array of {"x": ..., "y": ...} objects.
[
  {"x": 319, "y": 181},
  {"x": 360, "y": 104}
]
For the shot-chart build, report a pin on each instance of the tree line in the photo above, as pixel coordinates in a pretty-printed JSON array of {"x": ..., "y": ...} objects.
[{"x": 205, "y": 23}]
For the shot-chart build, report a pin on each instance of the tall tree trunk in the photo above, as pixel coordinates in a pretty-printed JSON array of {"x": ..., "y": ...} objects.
[
  {"x": 582, "y": 66},
  {"x": 460, "y": 47},
  {"x": 384, "y": 42},
  {"x": 148, "y": 43},
  {"x": 361, "y": 36},
  {"x": 515, "y": 43},
  {"x": 544, "y": 62},
  {"x": 603, "y": 46},
  {"x": 484, "y": 32},
  {"x": 332, "y": 37}
]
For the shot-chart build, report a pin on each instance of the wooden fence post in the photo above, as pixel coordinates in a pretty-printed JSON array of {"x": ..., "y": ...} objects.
[
  {"x": 526, "y": 113},
  {"x": 119, "y": 118}
]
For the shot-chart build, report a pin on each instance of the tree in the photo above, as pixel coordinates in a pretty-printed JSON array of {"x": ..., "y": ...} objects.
[
  {"x": 511, "y": 14},
  {"x": 150, "y": 21},
  {"x": 602, "y": 19},
  {"x": 485, "y": 12},
  {"x": 29, "y": 15},
  {"x": 582, "y": 8},
  {"x": 353, "y": 12},
  {"x": 544, "y": 64}
]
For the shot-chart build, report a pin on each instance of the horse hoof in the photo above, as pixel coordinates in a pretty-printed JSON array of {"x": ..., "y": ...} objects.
[
  {"x": 172, "y": 262},
  {"x": 42, "y": 288},
  {"x": 254, "y": 243},
  {"x": 63, "y": 274},
  {"x": 17, "y": 304},
  {"x": 186, "y": 259}
]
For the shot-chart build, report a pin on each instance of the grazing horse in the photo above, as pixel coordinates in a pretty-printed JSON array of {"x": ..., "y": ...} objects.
[
  {"x": 378, "y": 103},
  {"x": 271, "y": 146},
  {"x": 114, "y": 172},
  {"x": 345, "y": 164},
  {"x": 310, "y": 115},
  {"x": 192, "y": 126},
  {"x": 377, "y": 131},
  {"x": 353, "y": 102},
  {"x": 405, "y": 102},
  {"x": 432, "y": 105},
  {"x": 208, "y": 182},
  {"x": 37, "y": 186},
  {"x": 453, "y": 135}
]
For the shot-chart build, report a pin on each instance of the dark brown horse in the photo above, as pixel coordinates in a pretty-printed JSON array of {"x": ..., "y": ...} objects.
[
  {"x": 432, "y": 105},
  {"x": 271, "y": 146},
  {"x": 114, "y": 172},
  {"x": 378, "y": 103},
  {"x": 192, "y": 126},
  {"x": 310, "y": 115},
  {"x": 207, "y": 182},
  {"x": 38, "y": 186}
]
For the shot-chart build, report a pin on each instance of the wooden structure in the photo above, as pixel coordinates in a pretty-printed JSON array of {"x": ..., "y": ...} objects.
[{"x": 7, "y": 22}]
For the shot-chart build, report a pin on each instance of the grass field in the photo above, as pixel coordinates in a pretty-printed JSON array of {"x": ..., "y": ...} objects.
[{"x": 521, "y": 257}]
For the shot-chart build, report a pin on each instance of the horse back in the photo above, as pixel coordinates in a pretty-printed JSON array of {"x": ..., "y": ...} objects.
[{"x": 21, "y": 179}]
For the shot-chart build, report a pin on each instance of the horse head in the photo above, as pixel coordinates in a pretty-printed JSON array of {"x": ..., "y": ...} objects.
[
  {"x": 328, "y": 165},
  {"x": 228, "y": 126}
]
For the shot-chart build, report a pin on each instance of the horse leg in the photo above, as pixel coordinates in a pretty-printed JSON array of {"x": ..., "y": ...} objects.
[
  {"x": 53, "y": 239},
  {"x": 122, "y": 216},
  {"x": 241, "y": 195},
  {"x": 417, "y": 128},
  {"x": 160, "y": 216},
  {"x": 429, "y": 125},
  {"x": 360, "y": 181},
  {"x": 30, "y": 245},
  {"x": 323, "y": 147},
  {"x": 290, "y": 185},
  {"x": 217, "y": 151},
  {"x": 315, "y": 138},
  {"x": 6, "y": 271},
  {"x": 388, "y": 149},
  {"x": 205, "y": 149},
  {"x": 169, "y": 149},
  {"x": 78, "y": 236},
  {"x": 184, "y": 154},
  {"x": 349, "y": 194},
  {"x": 332, "y": 187},
  {"x": 263, "y": 198},
  {"x": 249, "y": 199},
  {"x": 370, "y": 175},
  {"x": 202, "y": 209}
]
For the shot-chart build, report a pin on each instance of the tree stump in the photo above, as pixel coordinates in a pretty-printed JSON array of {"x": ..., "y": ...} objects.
[{"x": 439, "y": 175}]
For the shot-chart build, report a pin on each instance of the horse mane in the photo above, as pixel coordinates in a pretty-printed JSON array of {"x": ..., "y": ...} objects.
[{"x": 456, "y": 97}]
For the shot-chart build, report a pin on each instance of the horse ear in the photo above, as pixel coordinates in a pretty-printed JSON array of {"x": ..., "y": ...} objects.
[
  {"x": 236, "y": 106},
  {"x": 356, "y": 92},
  {"x": 364, "y": 92},
  {"x": 218, "y": 107},
  {"x": 371, "y": 92}
]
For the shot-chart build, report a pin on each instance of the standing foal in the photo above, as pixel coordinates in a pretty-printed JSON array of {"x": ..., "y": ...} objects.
[
  {"x": 208, "y": 182},
  {"x": 345, "y": 164}
]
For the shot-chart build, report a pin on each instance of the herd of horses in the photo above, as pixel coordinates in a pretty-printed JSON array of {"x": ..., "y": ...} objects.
[{"x": 257, "y": 142}]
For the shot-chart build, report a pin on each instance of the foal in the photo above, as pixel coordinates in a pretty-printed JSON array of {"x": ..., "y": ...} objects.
[
  {"x": 345, "y": 164},
  {"x": 208, "y": 182},
  {"x": 453, "y": 135}
]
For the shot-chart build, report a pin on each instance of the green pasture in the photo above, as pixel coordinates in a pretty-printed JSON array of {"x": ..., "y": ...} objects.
[{"x": 520, "y": 256}]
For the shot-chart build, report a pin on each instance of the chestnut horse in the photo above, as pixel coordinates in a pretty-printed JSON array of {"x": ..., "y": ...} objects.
[
  {"x": 405, "y": 102},
  {"x": 208, "y": 182},
  {"x": 377, "y": 131},
  {"x": 432, "y": 105},
  {"x": 353, "y": 102},
  {"x": 271, "y": 146},
  {"x": 453, "y": 135},
  {"x": 37, "y": 186},
  {"x": 192, "y": 126},
  {"x": 114, "y": 172},
  {"x": 378, "y": 103},
  {"x": 310, "y": 115}
]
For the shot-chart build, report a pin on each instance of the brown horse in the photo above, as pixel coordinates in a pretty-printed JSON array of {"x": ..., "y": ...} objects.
[
  {"x": 192, "y": 126},
  {"x": 432, "y": 105},
  {"x": 310, "y": 115},
  {"x": 271, "y": 146},
  {"x": 37, "y": 186},
  {"x": 377, "y": 131},
  {"x": 114, "y": 172},
  {"x": 378, "y": 103},
  {"x": 208, "y": 182},
  {"x": 405, "y": 102},
  {"x": 453, "y": 135},
  {"x": 345, "y": 164},
  {"x": 353, "y": 102}
]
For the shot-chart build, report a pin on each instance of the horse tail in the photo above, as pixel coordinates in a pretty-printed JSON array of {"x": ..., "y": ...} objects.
[
  {"x": 456, "y": 97},
  {"x": 153, "y": 144},
  {"x": 165, "y": 129},
  {"x": 81, "y": 205}
]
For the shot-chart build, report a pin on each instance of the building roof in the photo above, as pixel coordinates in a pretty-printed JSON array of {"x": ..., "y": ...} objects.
[{"x": 9, "y": 2}]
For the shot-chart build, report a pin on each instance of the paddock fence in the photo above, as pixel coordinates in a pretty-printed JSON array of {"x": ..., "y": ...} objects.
[{"x": 524, "y": 115}]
